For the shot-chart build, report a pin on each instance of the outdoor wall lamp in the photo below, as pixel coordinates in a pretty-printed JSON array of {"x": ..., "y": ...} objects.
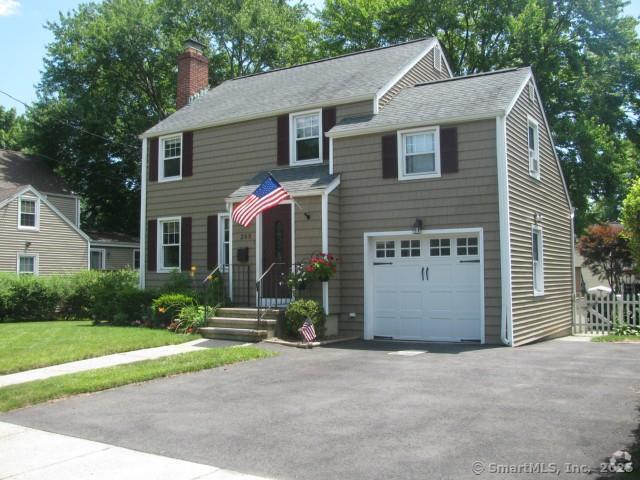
[
  {"x": 417, "y": 226},
  {"x": 537, "y": 218},
  {"x": 27, "y": 245}
]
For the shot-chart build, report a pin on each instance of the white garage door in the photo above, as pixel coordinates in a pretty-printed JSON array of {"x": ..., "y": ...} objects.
[{"x": 427, "y": 287}]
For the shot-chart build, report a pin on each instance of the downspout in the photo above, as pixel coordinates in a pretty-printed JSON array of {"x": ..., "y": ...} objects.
[
  {"x": 143, "y": 214},
  {"x": 506, "y": 319}
]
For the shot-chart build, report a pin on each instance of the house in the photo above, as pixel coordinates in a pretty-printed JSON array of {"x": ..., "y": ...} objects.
[
  {"x": 442, "y": 195},
  {"x": 40, "y": 224}
]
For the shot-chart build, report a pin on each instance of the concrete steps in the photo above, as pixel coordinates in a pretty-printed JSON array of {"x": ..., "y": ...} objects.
[{"x": 241, "y": 324}]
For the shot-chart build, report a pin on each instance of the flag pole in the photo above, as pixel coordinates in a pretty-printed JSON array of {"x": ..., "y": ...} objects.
[{"x": 292, "y": 199}]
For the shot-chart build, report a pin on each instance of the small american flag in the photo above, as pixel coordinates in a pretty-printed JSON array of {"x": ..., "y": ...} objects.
[
  {"x": 307, "y": 331},
  {"x": 268, "y": 194}
]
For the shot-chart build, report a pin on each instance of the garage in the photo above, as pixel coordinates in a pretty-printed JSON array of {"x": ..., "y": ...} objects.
[{"x": 426, "y": 286}]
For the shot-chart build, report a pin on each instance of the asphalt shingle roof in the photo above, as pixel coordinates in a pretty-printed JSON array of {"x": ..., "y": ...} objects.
[
  {"x": 431, "y": 103},
  {"x": 18, "y": 170},
  {"x": 293, "y": 179},
  {"x": 352, "y": 76}
]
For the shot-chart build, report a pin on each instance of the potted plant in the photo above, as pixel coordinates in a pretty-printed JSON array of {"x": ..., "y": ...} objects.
[{"x": 322, "y": 267}]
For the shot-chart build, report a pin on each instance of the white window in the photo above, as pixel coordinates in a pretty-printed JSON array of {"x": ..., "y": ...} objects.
[
  {"x": 27, "y": 264},
  {"x": 168, "y": 244},
  {"x": 532, "y": 92},
  {"x": 537, "y": 255},
  {"x": 306, "y": 137},
  {"x": 97, "y": 259},
  {"x": 467, "y": 246},
  {"x": 224, "y": 239},
  {"x": 171, "y": 158},
  {"x": 409, "y": 248},
  {"x": 28, "y": 213},
  {"x": 419, "y": 153},
  {"x": 386, "y": 249},
  {"x": 534, "y": 148},
  {"x": 136, "y": 259},
  {"x": 440, "y": 247}
]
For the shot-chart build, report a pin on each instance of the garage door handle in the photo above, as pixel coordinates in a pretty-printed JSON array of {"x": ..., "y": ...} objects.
[
  {"x": 383, "y": 263},
  {"x": 427, "y": 272},
  {"x": 423, "y": 274},
  {"x": 469, "y": 261}
]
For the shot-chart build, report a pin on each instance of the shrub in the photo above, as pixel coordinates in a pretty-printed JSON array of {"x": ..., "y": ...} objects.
[
  {"x": 298, "y": 311},
  {"x": 168, "y": 306},
  {"x": 28, "y": 298},
  {"x": 191, "y": 318},
  {"x": 622, "y": 328},
  {"x": 178, "y": 282}
]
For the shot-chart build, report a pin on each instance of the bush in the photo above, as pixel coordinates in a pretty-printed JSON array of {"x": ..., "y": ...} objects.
[
  {"x": 298, "y": 311},
  {"x": 191, "y": 318},
  {"x": 622, "y": 328},
  {"x": 168, "y": 306},
  {"x": 28, "y": 298}
]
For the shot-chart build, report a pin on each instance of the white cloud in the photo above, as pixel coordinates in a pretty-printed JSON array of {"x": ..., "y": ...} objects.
[{"x": 9, "y": 7}]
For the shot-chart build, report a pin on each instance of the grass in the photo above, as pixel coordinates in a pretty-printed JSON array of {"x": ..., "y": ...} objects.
[
  {"x": 25, "y": 394},
  {"x": 27, "y": 345},
  {"x": 616, "y": 338}
]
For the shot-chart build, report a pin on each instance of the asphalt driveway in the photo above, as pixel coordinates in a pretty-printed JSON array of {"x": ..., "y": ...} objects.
[{"x": 360, "y": 411}]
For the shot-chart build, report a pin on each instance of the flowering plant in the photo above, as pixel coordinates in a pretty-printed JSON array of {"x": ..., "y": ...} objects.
[
  {"x": 322, "y": 266},
  {"x": 298, "y": 279}
]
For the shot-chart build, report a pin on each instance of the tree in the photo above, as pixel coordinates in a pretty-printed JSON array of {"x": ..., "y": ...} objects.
[
  {"x": 631, "y": 219},
  {"x": 606, "y": 253},
  {"x": 11, "y": 129}
]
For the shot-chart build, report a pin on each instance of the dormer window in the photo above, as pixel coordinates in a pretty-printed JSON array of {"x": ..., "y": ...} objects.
[
  {"x": 306, "y": 141},
  {"x": 28, "y": 213},
  {"x": 170, "y": 158}
]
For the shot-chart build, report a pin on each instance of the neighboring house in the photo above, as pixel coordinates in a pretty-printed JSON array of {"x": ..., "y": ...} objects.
[
  {"x": 114, "y": 251},
  {"x": 442, "y": 196},
  {"x": 39, "y": 223}
]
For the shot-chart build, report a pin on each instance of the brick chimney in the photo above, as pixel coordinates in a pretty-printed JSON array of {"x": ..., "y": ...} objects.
[{"x": 193, "y": 72}]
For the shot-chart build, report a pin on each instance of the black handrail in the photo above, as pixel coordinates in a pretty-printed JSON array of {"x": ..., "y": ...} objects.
[{"x": 272, "y": 284}]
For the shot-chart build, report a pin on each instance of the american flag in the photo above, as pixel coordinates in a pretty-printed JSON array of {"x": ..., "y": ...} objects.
[
  {"x": 307, "y": 331},
  {"x": 268, "y": 194}
]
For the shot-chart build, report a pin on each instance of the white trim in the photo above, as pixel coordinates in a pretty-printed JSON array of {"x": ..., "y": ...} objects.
[
  {"x": 532, "y": 122},
  {"x": 78, "y": 211},
  {"x": 36, "y": 200},
  {"x": 293, "y": 140},
  {"x": 221, "y": 217},
  {"x": 437, "y": 57},
  {"x": 506, "y": 316},
  {"x": 308, "y": 193},
  {"x": 410, "y": 125},
  {"x": 518, "y": 93},
  {"x": 143, "y": 214},
  {"x": 103, "y": 261},
  {"x": 402, "y": 163},
  {"x": 133, "y": 259},
  {"x": 330, "y": 156},
  {"x": 160, "y": 268},
  {"x": 161, "y": 159},
  {"x": 258, "y": 250},
  {"x": 230, "y": 208},
  {"x": 36, "y": 263},
  {"x": 398, "y": 76},
  {"x": 293, "y": 233},
  {"x": 368, "y": 277},
  {"x": 256, "y": 116},
  {"x": 325, "y": 247},
  {"x": 538, "y": 292}
]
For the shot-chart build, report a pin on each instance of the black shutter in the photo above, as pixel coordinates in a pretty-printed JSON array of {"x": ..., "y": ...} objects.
[
  {"x": 328, "y": 122},
  {"x": 153, "y": 159},
  {"x": 390, "y": 156},
  {"x": 152, "y": 245},
  {"x": 283, "y": 140},
  {"x": 449, "y": 150},
  {"x": 185, "y": 244},
  {"x": 187, "y": 154},
  {"x": 212, "y": 241}
]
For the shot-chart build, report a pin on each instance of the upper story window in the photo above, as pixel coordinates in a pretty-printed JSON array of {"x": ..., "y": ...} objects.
[
  {"x": 418, "y": 154},
  {"x": 534, "y": 148},
  {"x": 169, "y": 244},
  {"x": 28, "y": 213},
  {"x": 27, "y": 264},
  {"x": 170, "y": 158},
  {"x": 538, "y": 260},
  {"x": 306, "y": 137}
]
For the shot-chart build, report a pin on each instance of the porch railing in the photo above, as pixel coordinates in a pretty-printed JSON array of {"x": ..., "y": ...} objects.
[
  {"x": 272, "y": 290},
  {"x": 228, "y": 285}
]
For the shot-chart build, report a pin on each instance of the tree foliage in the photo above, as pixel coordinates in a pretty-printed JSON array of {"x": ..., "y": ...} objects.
[
  {"x": 11, "y": 129},
  {"x": 631, "y": 219},
  {"x": 606, "y": 253}
]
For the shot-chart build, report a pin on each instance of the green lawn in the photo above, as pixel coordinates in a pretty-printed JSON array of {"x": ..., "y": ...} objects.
[
  {"x": 22, "y": 395},
  {"x": 616, "y": 338},
  {"x": 27, "y": 345}
]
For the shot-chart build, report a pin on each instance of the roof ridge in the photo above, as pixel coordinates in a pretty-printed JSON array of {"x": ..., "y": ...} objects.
[
  {"x": 473, "y": 75},
  {"x": 350, "y": 54}
]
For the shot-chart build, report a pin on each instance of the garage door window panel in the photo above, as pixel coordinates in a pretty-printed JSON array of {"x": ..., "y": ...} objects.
[
  {"x": 386, "y": 249},
  {"x": 440, "y": 247},
  {"x": 410, "y": 248},
  {"x": 467, "y": 246}
]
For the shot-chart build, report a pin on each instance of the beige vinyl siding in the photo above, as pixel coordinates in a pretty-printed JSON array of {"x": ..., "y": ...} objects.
[
  {"x": 224, "y": 158},
  {"x": 308, "y": 237},
  {"x": 65, "y": 204},
  {"x": 369, "y": 203},
  {"x": 60, "y": 248},
  {"x": 358, "y": 109},
  {"x": 422, "y": 72},
  {"x": 550, "y": 315},
  {"x": 334, "y": 249},
  {"x": 117, "y": 258}
]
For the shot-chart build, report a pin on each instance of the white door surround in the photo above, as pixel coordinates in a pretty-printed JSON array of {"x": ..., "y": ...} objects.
[{"x": 402, "y": 274}]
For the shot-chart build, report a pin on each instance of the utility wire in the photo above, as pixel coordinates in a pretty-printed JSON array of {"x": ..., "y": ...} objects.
[{"x": 66, "y": 124}]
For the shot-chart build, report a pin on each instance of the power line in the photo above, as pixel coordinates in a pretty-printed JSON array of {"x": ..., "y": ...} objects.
[{"x": 66, "y": 124}]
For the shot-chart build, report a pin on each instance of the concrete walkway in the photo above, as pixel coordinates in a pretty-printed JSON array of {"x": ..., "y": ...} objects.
[
  {"x": 104, "y": 361},
  {"x": 29, "y": 454}
]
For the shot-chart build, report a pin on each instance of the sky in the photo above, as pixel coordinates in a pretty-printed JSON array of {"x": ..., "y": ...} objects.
[{"x": 23, "y": 41}]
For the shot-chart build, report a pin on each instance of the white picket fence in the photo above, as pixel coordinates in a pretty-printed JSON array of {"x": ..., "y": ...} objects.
[{"x": 598, "y": 313}]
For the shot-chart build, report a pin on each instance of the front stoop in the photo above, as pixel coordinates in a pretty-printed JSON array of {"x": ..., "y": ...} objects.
[{"x": 241, "y": 324}]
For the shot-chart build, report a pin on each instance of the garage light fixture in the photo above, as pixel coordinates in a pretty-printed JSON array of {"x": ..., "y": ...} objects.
[{"x": 417, "y": 226}]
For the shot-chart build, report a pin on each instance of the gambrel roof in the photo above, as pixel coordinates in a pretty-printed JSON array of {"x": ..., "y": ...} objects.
[{"x": 348, "y": 78}]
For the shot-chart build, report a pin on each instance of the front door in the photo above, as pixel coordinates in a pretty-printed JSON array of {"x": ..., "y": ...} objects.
[{"x": 276, "y": 251}]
